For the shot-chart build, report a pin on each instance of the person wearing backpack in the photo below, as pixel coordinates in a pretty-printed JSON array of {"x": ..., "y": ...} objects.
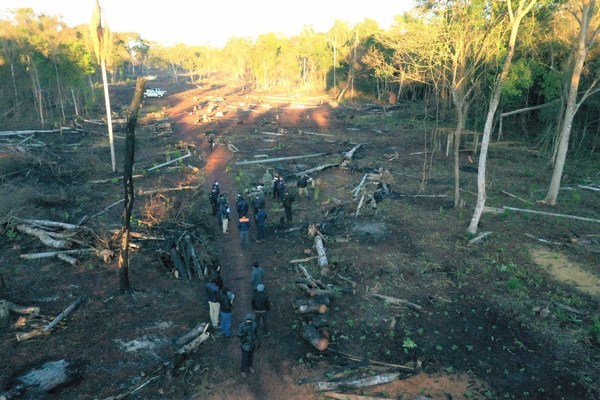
[{"x": 248, "y": 344}]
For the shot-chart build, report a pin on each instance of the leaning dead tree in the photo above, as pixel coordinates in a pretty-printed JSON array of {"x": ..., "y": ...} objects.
[{"x": 128, "y": 185}]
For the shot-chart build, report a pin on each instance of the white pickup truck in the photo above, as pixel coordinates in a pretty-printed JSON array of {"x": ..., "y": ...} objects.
[{"x": 154, "y": 93}]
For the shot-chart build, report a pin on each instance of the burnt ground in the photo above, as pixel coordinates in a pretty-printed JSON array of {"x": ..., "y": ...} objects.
[{"x": 513, "y": 316}]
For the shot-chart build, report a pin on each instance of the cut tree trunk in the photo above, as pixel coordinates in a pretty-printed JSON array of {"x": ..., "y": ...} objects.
[
  {"x": 45, "y": 238},
  {"x": 401, "y": 302},
  {"x": 321, "y": 251},
  {"x": 311, "y": 301},
  {"x": 191, "y": 346},
  {"x": 192, "y": 334},
  {"x": 312, "y": 308},
  {"x": 358, "y": 383},
  {"x": 314, "y": 337}
]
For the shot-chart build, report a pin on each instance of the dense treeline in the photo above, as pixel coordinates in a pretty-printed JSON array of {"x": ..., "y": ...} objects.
[{"x": 446, "y": 55}]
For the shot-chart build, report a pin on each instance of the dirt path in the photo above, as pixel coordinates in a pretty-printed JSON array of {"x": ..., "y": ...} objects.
[{"x": 274, "y": 371}]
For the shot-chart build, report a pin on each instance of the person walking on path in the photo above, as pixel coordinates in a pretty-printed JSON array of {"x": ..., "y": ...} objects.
[
  {"x": 224, "y": 215},
  {"x": 287, "y": 201},
  {"x": 226, "y": 305},
  {"x": 261, "y": 305},
  {"x": 248, "y": 343},
  {"x": 212, "y": 293},
  {"x": 244, "y": 228},
  {"x": 275, "y": 184},
  {"x": 257, "y": 277},
  {"x": 261, "y": 225}
]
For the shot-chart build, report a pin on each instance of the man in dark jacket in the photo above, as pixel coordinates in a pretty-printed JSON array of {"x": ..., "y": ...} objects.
[
  {"x": 302, "y": 186},
  {"x": 261, "y": 304},
  {"x": 224, "y": 217},
  {"x": 280, "y": 188},
  {"x": 241, "y": 205},
  {"x": 258, "y": 202},
  {"x": 226, "y": 305},
  {"x": 213, "y": 197},
  {"x": 257, "y": 277},
  {"x": 212, "y": 293},
  {"x": 261, "y": 224},
  {"x": 248, "y": 343},
  {"x": 287, "y": 201}
]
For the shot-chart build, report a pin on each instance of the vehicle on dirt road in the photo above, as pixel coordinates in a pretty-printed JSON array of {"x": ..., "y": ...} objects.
[{"x": 153, "y": 93}]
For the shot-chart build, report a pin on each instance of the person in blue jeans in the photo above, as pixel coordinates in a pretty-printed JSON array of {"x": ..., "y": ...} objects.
[
  {"x": 226, "y": 305},
  {"x": 261, "y": 224},
  {"x": 244, "y": 228}
]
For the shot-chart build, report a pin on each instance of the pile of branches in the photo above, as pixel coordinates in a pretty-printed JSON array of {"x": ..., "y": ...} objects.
[{"x": 183, "y": 260}]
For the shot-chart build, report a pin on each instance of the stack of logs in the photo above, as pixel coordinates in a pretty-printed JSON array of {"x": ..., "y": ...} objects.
[
  {"x": 185, "y": 260},
  {"x": 317, "y": 331}
]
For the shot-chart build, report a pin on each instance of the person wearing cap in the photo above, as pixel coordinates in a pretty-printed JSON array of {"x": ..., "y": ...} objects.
[
  {"x": 261, "y": 304},
  {"x": 212, "y": 293},
  {"x": 258, "y": 275},
  {"x": 261, "y": 225},
  {"x": 216, "y": 188},
  {"x": 248, "y": 344}
]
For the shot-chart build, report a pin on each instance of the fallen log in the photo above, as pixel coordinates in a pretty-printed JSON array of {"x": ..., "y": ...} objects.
[
  {"x": 28, "y": 335},
  {"x": 312, "y": 308},
  {"x": 188, "y": 348},
  {"x": 173, "y": 189},
  {"x": 6, "y": 307},
  {"x": 34, "y": 256},
  {"x": 179, "y": 264},
  {"x": 192, "y": 334},
  {"x": 51, "y": 224},
  {"x": 301, "y": 260},
  {"x": 311, "y": 301},
  {"x": 349, "y": 154},
  {"x": 200, "y": 272},
  {"x": 356, "y": 190},
  {"x": 480, "y": 237},
  {"x": 321, "y": 251},
  {"x": 374, "y": 362},
  {"x": 71, "y": 260},
  {"x": 320, "y": 321},
  {"x": 312, "y": 335},
  {"x": 401, "y": 302},
  {"x": 552, "y": 214},
  {"x": 189, "y": 154},
  {"x": 315, "y": 169},
  {"x": 279, "y": 159},
  {"x": 358, "y": 383},
  {"x": 348, "y": 396},
  {"x": 45, "y": 238}
]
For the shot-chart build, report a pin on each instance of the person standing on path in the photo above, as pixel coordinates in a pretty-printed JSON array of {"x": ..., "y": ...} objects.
[
  {"x": 226, "y": 305},
  {"x": 212, "y": 293},
  {"x": 248, "y": 344},
  {"x": 258, "y": 202},
  {"x": 213, "y": 198},
  {"x": 261, "y": 225},
  {"x": 280, "y": 188},
  {"x": 241, "y": 206},
  {"x": 257, "y": 277},
  {"x": 261, "y": 305},
  {"x": 287, "y": 201},
  {"x": 224, "y": 215},
  {"x": 244, "y": 228}
]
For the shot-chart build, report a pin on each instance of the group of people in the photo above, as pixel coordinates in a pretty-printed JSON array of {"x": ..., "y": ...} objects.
[
  {"x": 220, "y": 305},
  {"x": 221, "y": 298}
]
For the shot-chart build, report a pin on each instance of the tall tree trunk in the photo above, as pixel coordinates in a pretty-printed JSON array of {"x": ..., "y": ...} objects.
[
  {"x": 583, "y": 46},
  {"x": 60, "y": 98},
  {"x": 489, "y": 121},
  {"x": 108, "y": 115},
  {"x": 128, "y": 184},
  {"x": 75, "y": 105}
]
